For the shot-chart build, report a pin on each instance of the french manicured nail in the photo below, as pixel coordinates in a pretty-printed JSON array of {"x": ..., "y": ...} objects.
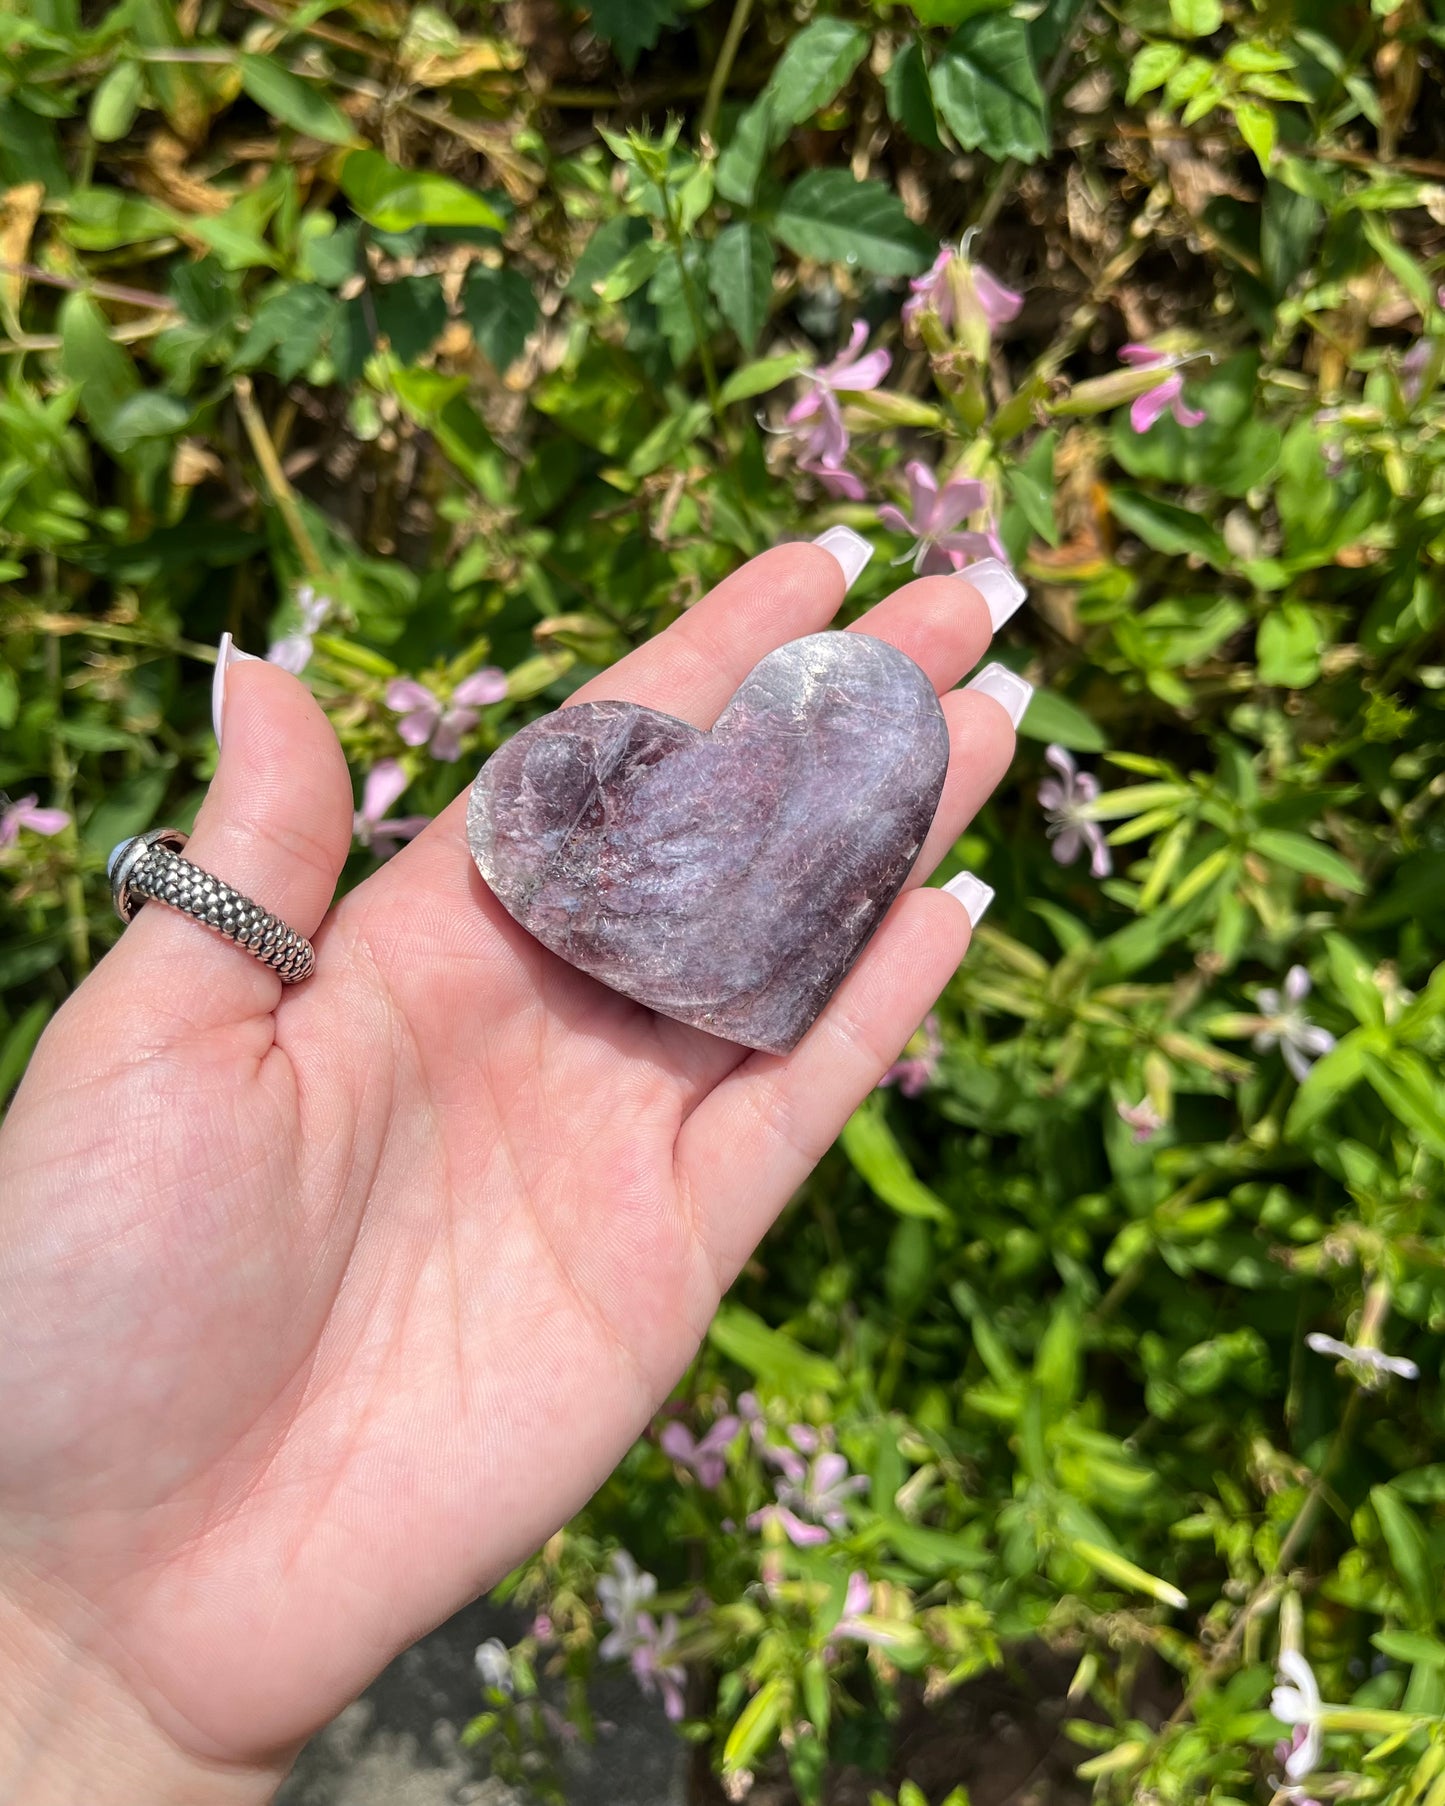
[
  {"x": 850, "y": 549},
  {"x": 227, "y": 654},
  {"x": 1006, "y": 687},
  {"x": 998, "y": 586},
  {"x": 973, "y": 893}
]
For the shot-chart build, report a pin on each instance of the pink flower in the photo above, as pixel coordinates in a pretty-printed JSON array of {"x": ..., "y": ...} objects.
[
  {"x": 22, "y": 813},
  {"x": 1370, "y": 1366},
  {"x": 1167, "y": 394},
  {"x": 1142, "y": 1118},
  {"x": 1287, "y": 1027},
  {"x": 293, "y": 653},
  {"x": 654, "y": 1665},
  {"x": 939, "y": 545},
  {"x": 919, "y": 1065},
  {"x": 1065, "y": 801},
  {"x": 707, "y": 1458},
  {"x": 842, "y": 483},
  {"x": 851, "y": 372},
  {"x": 850, "y": 1628},
  {"x": 962, "y": 293},
  {"x": 384, "y": 784},
  {"x": 621, "y": 1595},
  {"x": 809, "y": 1510},
  {"x": 425, "y": 718}
]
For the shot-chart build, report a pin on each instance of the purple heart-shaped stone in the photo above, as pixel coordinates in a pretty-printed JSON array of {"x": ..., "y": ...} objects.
[{"x": 727, "y": 879}]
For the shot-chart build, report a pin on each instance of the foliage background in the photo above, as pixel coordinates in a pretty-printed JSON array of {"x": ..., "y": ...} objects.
[{"x": 435, "y": 312}]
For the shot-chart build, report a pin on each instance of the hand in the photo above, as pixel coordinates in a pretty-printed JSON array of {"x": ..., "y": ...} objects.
[{"x": 322, "y": 1308}]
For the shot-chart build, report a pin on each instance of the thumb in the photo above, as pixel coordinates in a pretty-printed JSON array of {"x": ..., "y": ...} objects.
[{"x": 275, "y": 825}]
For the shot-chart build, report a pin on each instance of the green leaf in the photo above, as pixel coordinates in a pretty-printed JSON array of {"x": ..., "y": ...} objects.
[
  {"x": 1406, "y": 1087},
  {"x": 1302, "y": 854},
  {"x": 1409, "y": 1551},
  {"x": 952, "y": 12},
  {"x": 767, "y": 373},
  {"x": 909, "y": 93},
  {"x": 632, "y": 26},
  {"x": 874, "y": 1153},
  {"x": 1055, "y": 720},
  {"x": 1129, "y": 1574},
  {"x": 1151, "y": 68},
  {"x": 501, "y": 310},
  {"x": 1196, "y": 18},
  {"x": 740, "y": 271},
  {"x": 769, "y": 1354},
  {"x": 1288, "y": 646},
  {"x": 987, "y": 89},
  {"x": 293, "y": 101},
  {"x": 757, "y": 1725},
  {"x": 115, "y": 103},
  {"x": 105, "y": 374},
  {"x": 829, "y": 216},
  {"x": 291, "y": 323},
  {"x": 1257, "y": 128},
  {"x": 19, "y": 1044},
  {"x": 740, "y": 167},
  {"x": 812, "y": 69},
  {"x": 1031, "y": 484},
  {"x": 395, "y": 200},
  {"x": 1167, "y": 528}
]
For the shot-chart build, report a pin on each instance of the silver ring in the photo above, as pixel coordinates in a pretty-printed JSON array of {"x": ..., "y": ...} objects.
[{"x": 149, "y": 869}]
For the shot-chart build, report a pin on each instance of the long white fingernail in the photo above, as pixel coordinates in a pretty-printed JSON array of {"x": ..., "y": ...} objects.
[
  {"x": 973, "y": 893},
  {"x": 1006, "y": 687},
  {"x": 998, "y": 586},
  {"x": 850, "y": 549},
  {"x": 227, "y": 654}
]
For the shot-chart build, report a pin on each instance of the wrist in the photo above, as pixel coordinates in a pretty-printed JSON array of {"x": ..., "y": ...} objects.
[{"x": 72, "y": 1732}]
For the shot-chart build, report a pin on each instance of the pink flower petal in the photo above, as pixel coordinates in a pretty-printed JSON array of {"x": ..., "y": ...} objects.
[
  {"x": 1068, "y": 845},
  {"x": 922, "y": 495},
  {"x": 1149, "y": 406},
  {"x": 404, "y": 694},
  {"x": 1187, "y": 416},
  {"x": 895, "y": 519},
  {"x": 867, "y": 373},
  {"x": 384, "y": 784},
  {"x": 1144, "y": 356},
  {"x": 1063, "y": 762},
  {"x": 41, "y": 821},
  {"x": 415, "y": 728},
  {"x": 484, "y": 686},
  {"x": 961, "y": 497},
  {"x": 842, "y": 483},
  {"x": 999, "y": 304}
]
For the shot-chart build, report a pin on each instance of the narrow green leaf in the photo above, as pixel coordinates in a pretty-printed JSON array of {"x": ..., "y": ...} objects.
[
  {"x": 874, "y": 1153},
  {"x": 1054, "y": 719},
  {"x": 395, "y": 200},
  {"x": 1409, "y": 1551},
  {"x": 1301, "y": 854},
  {"x": 770, "y": 1355},
  {"x": 767, "y": 373},
  {"x": 294, "y": 102}
]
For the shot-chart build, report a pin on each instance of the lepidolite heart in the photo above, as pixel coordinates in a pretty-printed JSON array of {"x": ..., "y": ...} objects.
[{"x": 727, "y": 879}]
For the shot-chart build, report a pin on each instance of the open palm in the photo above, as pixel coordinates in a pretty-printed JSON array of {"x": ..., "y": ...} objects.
[{"x": 322, "y": 1308}]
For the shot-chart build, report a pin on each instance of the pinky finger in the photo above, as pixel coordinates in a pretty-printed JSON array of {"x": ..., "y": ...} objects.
[{"x": 757, "y": 1135}]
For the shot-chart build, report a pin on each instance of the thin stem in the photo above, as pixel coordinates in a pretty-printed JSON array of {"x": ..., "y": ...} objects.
[
  {"x": 727, "y": 56},
  {"x": 282, "y": 493},
  {"x": 103, "y": 291}
]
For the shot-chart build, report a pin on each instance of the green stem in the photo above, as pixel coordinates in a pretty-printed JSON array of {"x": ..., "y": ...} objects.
[
  {"x": 694, "y": 314},
  {"x": 712, "y": 106}
]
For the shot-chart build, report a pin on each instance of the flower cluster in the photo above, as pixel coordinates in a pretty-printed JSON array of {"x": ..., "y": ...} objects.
[
  {"x": 634, "y": 1633},
  {"x": 427, "y": 720}
]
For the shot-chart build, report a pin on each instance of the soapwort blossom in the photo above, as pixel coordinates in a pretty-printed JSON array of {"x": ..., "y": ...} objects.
[
  {"x": 1370, "y": 1366},
  {"x": 851, "y": 1627},
  {"x": 23, "y": 813},
  {"x": 967, "y": 298},
  {"x": 1065, "y": 802},
  {"x": 425, "y": 718},
  {"x": 810, "y": 1509},
  {"x": 918, "y": 1066},
  {"x": 654, "y": 1662},
  {"x": 494, "y": 1665},
  {"x": 1168, "y": 393},
  {"x": 1286, "y": 1026},
  {"x": 384, "y": 784},
  {"x": 826, "y": 444},
  {"x": 941, "y": 544},
  {"x": 293, "y": 653},
  {"x": 706, "y": 1456},
  {"x": 622, "y": 1595},
  {"x": 1296, "y": 1702},
  {"x": 1142, "y": 1118}
]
